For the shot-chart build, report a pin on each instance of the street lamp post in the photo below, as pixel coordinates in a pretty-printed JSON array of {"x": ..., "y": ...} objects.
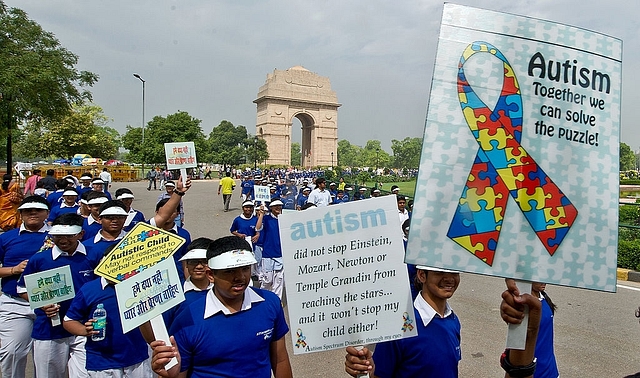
[
  {"x": 143, "y": 81},
  {"x": 332, "y": 160}
]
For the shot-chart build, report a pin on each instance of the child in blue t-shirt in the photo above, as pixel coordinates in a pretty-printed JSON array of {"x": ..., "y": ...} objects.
[
  {"x": 55, "y": 349},
  {"x": 435, "y": 352},
  {"x": 214, "y": 332},
  {"x": 118, "y": 354}
]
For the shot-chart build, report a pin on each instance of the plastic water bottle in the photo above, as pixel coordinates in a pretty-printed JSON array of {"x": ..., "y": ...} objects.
[{"x": 100, "y": 323}]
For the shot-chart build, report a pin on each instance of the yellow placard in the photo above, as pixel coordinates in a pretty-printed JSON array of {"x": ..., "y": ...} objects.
[{"x": 141, "y": 248}]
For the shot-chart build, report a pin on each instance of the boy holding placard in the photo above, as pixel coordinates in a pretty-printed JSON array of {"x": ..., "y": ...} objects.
[
  {"x": 118, "y": 354},
  {"x": 55, "y": 349},
  {"x": 435, "y": 352},
  {"x": 234, "y": 330}
]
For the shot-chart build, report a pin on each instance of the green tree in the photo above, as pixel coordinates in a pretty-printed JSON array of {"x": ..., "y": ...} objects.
[
  {"x": 83, "y": 130},
  {"x": 177, "y": 127},
  {"x": 406, "y": 152},
  {"x": 38, "y": 79},
  {"x": 627, "y": 158},
  {"x": 227, "y": 144},
  {"x": 296, "y": 154},
  {"x": 374, "y": 156},
  {"x": 256, "y": 150},
  {"x": 349, "y": 155}
]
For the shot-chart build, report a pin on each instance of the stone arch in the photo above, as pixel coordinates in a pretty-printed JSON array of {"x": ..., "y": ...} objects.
[{"x": 302, "y": 94}]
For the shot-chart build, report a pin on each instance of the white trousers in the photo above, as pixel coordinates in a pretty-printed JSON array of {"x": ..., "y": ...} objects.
[
  {"x": 16, "y": 324},
  {"x": 140, "y": 370},
  {"x": 271, "y": 280},
  {"x": 52, "y": 357}
]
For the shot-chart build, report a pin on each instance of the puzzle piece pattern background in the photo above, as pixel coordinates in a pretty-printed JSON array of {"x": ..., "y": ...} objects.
[
  {"x": 502, "y": 166},
  {"x": 586, "y": 174}
]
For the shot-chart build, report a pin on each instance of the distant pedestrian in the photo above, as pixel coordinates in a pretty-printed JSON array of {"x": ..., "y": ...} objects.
[
  {"x": 151, "y": 176},
  {"x": 227, "y": 184},
  {"x": 50, "y": 181},
  {"x": 106, "y": 177},
  {"x": 30, "y": 185}
]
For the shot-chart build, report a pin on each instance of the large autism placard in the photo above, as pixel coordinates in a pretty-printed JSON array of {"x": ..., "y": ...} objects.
[{"x": 519, "y": 168}]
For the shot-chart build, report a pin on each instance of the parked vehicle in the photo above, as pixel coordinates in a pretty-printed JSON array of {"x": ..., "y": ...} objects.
[
  {"x": 77, "y": 159},
  {"x": 113, "y": 162},
  {"x": 92, "y": 161}
]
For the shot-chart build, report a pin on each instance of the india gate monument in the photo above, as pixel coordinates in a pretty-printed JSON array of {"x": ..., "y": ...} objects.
[{"x": 300, "y": 93}]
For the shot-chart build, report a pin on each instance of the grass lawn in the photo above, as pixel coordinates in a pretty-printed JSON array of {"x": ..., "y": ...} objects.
[{"x": 406, "y": 188}]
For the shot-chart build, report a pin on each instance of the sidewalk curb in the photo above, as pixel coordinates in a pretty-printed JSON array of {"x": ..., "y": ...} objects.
[{"x": 628, "y": 275}]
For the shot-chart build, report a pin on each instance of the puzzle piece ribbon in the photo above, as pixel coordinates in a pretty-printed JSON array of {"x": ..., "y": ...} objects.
[{"x": 501, "y": 168}]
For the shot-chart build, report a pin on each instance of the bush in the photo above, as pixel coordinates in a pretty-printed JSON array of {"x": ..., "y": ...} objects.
[
  {"x": 629, "y": 214},
  {"x": 629, "y": 254}
]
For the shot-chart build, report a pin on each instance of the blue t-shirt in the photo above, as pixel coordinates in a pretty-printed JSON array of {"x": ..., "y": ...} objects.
[
  {"x": 82, "y": 267},
  {"x": 270, "y": 229},
  {"x": 81, "y": 189},
  {"x": 236, "y": 345},
  {"x": 99, "y": 247},
  {"x": 169, "y": 316},
  {"x": 117, "y": 350},
  {"x": 90, "y": 230},
  {"x": 15, "y": 247},
  {"x": 55, "y": 198},
  {"x": 302, "y": 200},
  {"x": 181, "y": 252},
  {"x": 244, "y": 226},
  {"x": 434, "y": 353},
  {"x": 247, "y": 187},
  {"x": 546, "y": 366},
  {"x": 59, "y": 210},
  {"x": 137, "y": 218}
]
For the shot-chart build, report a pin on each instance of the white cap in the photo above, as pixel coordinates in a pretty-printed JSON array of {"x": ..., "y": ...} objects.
[
  {"x": 125, "y": 196},
  {"x": 248, "y": 203},
  {"x": 69, "y": 192},
  {"x": 33, "y": 205},
  {"x": 85, "y": 177},
  {"x": 276, "y": 203},
  {"x": 114, "y": 210},
  {"x": 232, "y": 259},
  {"x": 376, "y": 190},
  {"x": 173, "y": 184},
  {"x": 64, "y": 229},
  {"x": 97, "y": 181},
  {"x": 97, "y": 201},
  {"x": 195, "y": 254},
  {"x": 422, "y": 267},
  {"x": 306, "y": 189},
  {"x": 362, "y": 189}
]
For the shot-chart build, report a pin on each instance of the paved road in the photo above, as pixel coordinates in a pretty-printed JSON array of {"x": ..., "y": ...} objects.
[{"x": 597, "y": 334}]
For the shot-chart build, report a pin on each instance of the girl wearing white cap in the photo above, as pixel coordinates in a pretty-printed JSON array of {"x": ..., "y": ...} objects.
[
  {"x": 16, "y": 317},
  {"x": 233, "y": 331}
]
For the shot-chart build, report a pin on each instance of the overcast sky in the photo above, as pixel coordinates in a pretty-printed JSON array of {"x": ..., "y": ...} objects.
[{"x": 209, "y": 58}]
